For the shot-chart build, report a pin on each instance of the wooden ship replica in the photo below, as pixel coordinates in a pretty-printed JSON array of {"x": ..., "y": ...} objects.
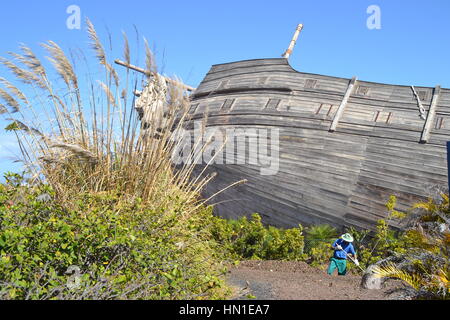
[{"x": 345, "y": 145}]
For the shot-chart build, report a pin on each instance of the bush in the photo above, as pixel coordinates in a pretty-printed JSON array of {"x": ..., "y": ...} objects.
[
  {"x": 424, "y": 261},
  {"x": 103, "y": 248},
  {"x": 250, "y": 239},
  {"x": 120, "y": 215},
  {"x": 320, "y": 254}
]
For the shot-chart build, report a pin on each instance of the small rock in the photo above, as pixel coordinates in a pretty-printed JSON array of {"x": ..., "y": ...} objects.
[{"x": 370, "y": 281}]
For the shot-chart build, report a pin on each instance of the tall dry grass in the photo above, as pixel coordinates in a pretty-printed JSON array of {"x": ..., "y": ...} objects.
[{"x": 84, "y": 136}]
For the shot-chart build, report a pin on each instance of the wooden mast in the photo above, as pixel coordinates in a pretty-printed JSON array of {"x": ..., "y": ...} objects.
[
  {"x": 149, "y": 73},
  {"x": 288, "y": 52}
]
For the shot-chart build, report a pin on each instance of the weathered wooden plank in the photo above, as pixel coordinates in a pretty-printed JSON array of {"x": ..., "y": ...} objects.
[
  {"x": 341, "y": 108},
  {"x": 430, "y": 117}
]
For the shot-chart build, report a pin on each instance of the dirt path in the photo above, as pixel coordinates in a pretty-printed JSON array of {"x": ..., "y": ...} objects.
[{"x": 288, "y": 280}]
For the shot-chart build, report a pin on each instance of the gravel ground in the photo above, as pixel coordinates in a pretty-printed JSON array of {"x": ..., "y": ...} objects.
[{"x": 290, "y": 280}]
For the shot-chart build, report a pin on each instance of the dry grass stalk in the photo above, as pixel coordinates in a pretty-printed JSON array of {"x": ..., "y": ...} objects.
[
  {"x": 61, "y": 64},
  {"x": 10, "y": 101},
  {"x": 3, "y": 109},
  {"x": 149, "y": 59},
  {"x": 108, "y": 93},
  {"x": 14, "y": 90},
  {"x": 126, "y": 49},
  {"x": 31, "y": 61},
  {"x": 110, "y": 152},
  {"x": 23, "y": 75}
]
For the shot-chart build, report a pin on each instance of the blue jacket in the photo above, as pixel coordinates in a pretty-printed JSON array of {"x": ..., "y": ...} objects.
[{"x": 346, "y": 246}]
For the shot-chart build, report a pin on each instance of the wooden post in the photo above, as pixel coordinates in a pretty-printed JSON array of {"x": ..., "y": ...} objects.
[
  {"x": 341, "y": 108},
  {"x": 148, "y": 73},
  {"x": 288, "y": 52},
  {"x": 430, "y": 117}
]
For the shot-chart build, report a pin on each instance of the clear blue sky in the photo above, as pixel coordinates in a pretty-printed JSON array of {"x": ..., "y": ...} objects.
[{"x": 412, "y": 47}]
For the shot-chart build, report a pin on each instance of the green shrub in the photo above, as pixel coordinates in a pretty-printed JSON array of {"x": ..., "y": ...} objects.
[
  {"x": 320, "y": 254},
  {"x": 250, "y": 239},
  {"x": 102, "y": 249},
  {"x": 424, "y": 262}
]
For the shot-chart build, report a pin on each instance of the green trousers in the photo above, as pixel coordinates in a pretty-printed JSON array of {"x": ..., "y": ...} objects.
[{"x": 340, "y": 264}]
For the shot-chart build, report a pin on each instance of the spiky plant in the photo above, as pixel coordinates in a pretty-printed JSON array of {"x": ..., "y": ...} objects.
[
  {"x": 437, "y": 284},
  {"x": 318, "y": 234},
  {"x": 391, "y": 271},
  {"x": 425, "y": 264}
]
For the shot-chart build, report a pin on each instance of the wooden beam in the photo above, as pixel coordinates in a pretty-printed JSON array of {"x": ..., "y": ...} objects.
[
  {"x": 149, "y": 74},
  {"x": 288, "y": 52},
  {"x": 343, "y": 104},
  {"x": 421, "y": 108},
  {"x": 430, "y": 117}
]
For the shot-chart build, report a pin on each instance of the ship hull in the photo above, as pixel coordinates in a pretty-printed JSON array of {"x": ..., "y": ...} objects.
[{"x": 342, "y": 176}]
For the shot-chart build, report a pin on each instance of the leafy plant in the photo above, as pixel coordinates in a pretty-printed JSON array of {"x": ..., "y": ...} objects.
[
  {"x": 250, "y": 239},
  {"x": 424, "y": 264},
  {"x": 104, "y": 248},
  {"x": 320, "y": 254}
]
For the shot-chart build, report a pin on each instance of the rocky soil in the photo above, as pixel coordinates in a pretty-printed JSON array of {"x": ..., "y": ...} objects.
[{"x": 289, "y": 280}]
